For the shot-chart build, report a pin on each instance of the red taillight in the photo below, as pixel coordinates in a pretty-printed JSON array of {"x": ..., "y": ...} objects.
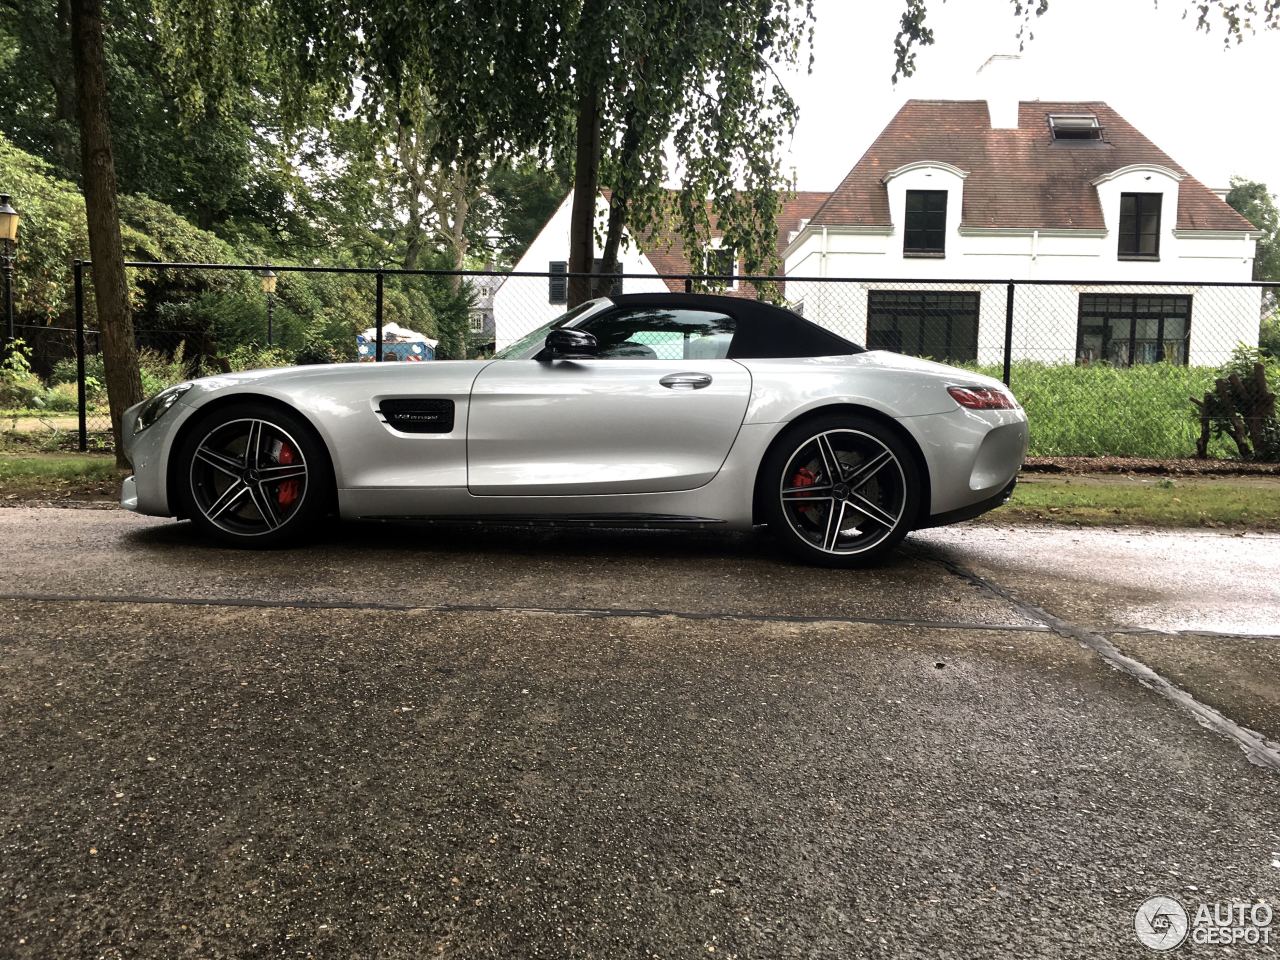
[{"x": 983, "y": 398}]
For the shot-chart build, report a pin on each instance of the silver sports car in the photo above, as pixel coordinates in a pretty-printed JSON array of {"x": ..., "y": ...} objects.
[{"x": 644, "y": 409}]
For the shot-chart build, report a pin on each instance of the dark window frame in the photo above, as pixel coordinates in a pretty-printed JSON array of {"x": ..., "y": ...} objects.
[
  {"x": 924, "y": 306},
  {"x": 1101, "y": 307},
  {"x": 927, "y": 235},
  {"x": 1069, "y": 128},
  {"x": 1130, "y": 246},
  {"x": 558, "y": 281}
]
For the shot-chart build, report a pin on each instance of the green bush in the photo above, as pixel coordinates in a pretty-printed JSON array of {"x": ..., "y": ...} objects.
[
  {"x": 160, "y": 370},
  {"x": 62, "y": 398},
  {"x": 1269, "y": 335},
  {"x": 317, "y": 352},
  {"x": 250, "y": 356},
  {"x": 20, "y": 388},
  {"x": 1101, "y": 410}
]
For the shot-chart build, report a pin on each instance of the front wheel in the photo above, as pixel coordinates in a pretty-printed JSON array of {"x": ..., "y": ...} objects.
[
  {"x": 840, "y": 490},
  {"x": 252, "y": 476}
]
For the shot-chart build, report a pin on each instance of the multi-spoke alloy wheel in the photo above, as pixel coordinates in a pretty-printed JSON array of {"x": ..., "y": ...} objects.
[
  {"x": 252, "y": 476},
  {"x": 844, "y": 490}
]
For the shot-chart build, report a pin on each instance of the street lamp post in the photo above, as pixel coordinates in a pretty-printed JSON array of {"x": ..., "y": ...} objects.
[
  {"x": 8, "y": 239},
  {"x": 269, "y": 288}
]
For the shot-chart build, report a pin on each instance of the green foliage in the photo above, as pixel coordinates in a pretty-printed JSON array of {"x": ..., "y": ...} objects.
[
  {"x": 220, "y": 166},
  {"x": 1269, "y": 335},
  {"x": 51, "y": 235},
  {"x": 1257, "y": 205},
  {"x": 254, "y": 357},
  {"x": 20, "y": 388},
  {"x": 1101, "y": 410},
  {"x": 160, "y": 370},
  {"x": 1245, "y": 415},
  {"x": 61, "y": 398},
  {"x": 520, "y": 198},
  {"x": 1236, "y": 21},
  {"x": 315, "y": 352},
  {"x": 1242, "y": 361}
]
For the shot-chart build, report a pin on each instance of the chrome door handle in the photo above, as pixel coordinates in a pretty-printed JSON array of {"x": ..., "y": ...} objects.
[{"x": 686, "y": 381}]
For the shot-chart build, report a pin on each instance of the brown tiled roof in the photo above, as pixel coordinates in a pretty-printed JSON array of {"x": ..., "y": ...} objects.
[
  {"x": 664, "y": 248},
  {"x": 1016, "y": 178}
]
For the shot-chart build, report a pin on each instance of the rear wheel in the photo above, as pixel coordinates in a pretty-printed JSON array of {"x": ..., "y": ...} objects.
[
  {"x": 840, "y": 490},
  {"x": 254, "y": 476}
]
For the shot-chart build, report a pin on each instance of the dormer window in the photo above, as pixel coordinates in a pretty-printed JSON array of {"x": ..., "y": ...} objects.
[
  {"x": 1139, "y": 226},
  {"x": 925, "y": 232},
  {"x": 1075, "y": 126}
]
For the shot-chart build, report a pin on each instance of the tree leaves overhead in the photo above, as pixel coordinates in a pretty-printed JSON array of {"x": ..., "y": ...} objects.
[
  {"x": 498, "y": 80},
  {"x": 493, "y": 68},
  {"x": 1235, "y": 18},
  {"x": 701, "y": 77}
]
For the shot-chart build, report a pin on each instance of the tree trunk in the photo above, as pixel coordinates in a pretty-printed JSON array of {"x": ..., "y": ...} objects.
[
  {"x": 612, "y": 240},
  {"x": 110, "y": 288},
  {"x": 586, "y": 187},
  {"x": 64, "y": 96},
  {"x": 459, "y": 208},
  {"x": 620, "y": 198}
]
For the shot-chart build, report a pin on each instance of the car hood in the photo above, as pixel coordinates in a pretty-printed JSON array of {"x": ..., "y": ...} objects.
[{"x": 336, "y": 372}]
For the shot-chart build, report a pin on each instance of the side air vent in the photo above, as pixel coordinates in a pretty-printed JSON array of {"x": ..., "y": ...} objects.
[{"x": 418, "y": 416}]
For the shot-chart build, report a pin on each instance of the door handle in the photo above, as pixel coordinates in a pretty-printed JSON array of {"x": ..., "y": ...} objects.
[{"x": 686, "y": 381}]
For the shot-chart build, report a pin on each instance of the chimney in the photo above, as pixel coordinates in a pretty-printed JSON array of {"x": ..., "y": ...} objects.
[{"x": 998, "y": 83}]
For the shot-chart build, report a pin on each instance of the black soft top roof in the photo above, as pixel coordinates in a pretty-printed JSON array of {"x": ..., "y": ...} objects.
[{"x": 763, "y": 330}]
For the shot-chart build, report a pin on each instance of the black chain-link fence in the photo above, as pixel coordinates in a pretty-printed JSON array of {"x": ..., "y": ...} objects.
[{"x": 1104, "y": 368}]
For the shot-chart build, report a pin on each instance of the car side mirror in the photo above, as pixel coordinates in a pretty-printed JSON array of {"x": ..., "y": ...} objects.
[{"x": 566, "y": 343}]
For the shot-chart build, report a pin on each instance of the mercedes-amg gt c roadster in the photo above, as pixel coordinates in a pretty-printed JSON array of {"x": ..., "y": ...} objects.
[{"x": 644, "y": 409}]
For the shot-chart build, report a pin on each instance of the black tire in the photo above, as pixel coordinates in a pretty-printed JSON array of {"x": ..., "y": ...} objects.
[
  {"x": 854, "y": 519},
  {"x": 278, "y": 498}
]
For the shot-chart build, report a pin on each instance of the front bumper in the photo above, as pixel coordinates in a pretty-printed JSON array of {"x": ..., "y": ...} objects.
[
  {"x": 129, "y": 494},
  {"x": 149, "y": 453}
]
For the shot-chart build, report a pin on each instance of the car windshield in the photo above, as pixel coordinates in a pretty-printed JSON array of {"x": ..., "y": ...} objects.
[{"x": 528, "y": 346}]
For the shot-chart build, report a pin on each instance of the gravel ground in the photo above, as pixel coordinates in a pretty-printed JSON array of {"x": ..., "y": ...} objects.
[{"x": 506, "y": 743}]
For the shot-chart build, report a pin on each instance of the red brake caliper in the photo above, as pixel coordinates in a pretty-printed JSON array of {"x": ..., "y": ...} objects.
[
  {"x": 288, "y": 491},
  {"x": 804, "y": 478}
]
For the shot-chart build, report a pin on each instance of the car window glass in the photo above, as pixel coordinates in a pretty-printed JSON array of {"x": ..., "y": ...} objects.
[
  {"x": 657, "y": 333},
  {"x": 531, "y": 342}
]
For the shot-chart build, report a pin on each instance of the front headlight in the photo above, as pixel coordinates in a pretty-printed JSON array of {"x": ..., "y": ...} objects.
[{"x": 158, "y": 406}]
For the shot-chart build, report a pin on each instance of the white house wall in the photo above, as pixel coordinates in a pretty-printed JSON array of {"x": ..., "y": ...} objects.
[
  {"x": 1046, "y": 317},
  {"x": 523, "y": 303}
]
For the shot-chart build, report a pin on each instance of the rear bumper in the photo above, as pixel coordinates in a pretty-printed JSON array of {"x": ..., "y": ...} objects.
[
  {"x": 972, "y": 455},
  {"x": 973, "y": 510}
]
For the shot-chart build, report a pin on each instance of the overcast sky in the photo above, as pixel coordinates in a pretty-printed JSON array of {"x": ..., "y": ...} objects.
[{"x": 1212, "y": 110}]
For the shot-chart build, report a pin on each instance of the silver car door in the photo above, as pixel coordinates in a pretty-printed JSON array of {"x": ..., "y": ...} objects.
[{"x": 612, "y": 426}]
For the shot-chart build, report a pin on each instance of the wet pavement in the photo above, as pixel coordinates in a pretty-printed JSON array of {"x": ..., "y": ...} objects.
[{"x": 414, "y": 741}]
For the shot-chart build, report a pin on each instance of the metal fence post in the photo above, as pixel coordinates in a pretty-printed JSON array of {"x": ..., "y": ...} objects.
[
  {"x": 1008, "y": 333},
  {"x": 82, "y": 404},
  {"x": 377, "y": 318}
]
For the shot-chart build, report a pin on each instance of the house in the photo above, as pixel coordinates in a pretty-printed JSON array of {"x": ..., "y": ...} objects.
[
  {"x": 480, "y": 312},
  {"x": 956, "y": 198}
]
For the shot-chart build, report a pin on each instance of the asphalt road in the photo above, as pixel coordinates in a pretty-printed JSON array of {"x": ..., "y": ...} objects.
[{"x": 421, "y": 742}]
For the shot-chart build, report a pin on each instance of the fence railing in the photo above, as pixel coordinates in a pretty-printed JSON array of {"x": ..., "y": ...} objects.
[{"x": 1104, "y": 367}]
